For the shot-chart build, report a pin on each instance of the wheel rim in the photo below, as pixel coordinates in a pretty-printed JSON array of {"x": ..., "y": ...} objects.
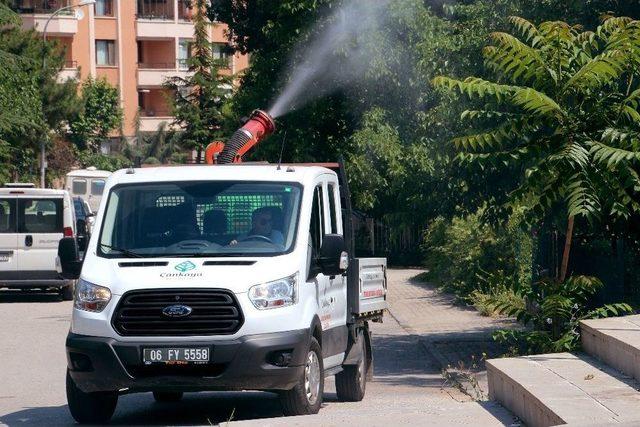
[{"x": 312, "y": 378}]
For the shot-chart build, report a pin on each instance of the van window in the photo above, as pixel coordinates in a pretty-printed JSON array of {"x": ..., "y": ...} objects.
[
  {"x": 40, "y": 216},
  {"x": 97, "y": 187},
  {"x": 79, "y": 186},
  {"x": 7, "y": 215}
]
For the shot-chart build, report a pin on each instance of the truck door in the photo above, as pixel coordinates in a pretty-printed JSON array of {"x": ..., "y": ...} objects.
[
  {"x": 317, "y": 230},
  {"x": 8, "y": 238},
  {"x": 337, "y": 284}
]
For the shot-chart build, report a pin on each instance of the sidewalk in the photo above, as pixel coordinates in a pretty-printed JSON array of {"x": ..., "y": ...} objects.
[{"x": 456, "y": 336}]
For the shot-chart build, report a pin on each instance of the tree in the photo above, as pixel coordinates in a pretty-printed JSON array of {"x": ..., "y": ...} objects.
[
  {"x": 198, "y": 99},
  {"x": 32, "y": 103},
  {"x": 101, "y": 114},
  {"x": 563, "y": 108}
]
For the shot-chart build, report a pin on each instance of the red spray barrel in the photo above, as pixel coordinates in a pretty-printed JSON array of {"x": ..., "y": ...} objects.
[{"x": 258, "y": 127}]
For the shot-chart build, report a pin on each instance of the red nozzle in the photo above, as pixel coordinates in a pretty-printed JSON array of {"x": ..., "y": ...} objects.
[{"x": 260, "y": 125}]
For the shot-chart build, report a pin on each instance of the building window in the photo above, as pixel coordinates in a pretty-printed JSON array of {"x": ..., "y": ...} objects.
[
  {"x": 184, "y": 53},
  {"x": 221, "y": 53},
  {"x": 105, "y": 52},
  {"x": 104, "y": 8}
]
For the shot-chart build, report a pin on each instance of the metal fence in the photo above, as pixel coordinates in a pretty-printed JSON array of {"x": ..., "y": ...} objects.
[{"x": 41, "y": 6}]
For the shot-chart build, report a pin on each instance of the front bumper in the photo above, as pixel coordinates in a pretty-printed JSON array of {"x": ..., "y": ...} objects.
[{"x": 246, "y": 363}]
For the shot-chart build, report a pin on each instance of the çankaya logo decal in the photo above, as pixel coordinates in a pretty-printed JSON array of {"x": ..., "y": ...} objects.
[
  {"x": 184, "y": 271},
  {"x": 185, "y": 266}
]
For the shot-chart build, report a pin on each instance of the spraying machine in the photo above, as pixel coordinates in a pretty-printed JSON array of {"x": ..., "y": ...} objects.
[{"x": 259, "y": 126}]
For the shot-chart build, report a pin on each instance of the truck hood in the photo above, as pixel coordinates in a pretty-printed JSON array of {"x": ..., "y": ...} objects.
[{"x": 235, "y": 274}]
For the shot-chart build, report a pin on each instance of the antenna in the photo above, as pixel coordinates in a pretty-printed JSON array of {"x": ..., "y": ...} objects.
[{"x": 284, "y": 139}]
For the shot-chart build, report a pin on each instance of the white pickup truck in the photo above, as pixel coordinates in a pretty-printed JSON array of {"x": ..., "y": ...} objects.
[{"x": 236, "y": 277}]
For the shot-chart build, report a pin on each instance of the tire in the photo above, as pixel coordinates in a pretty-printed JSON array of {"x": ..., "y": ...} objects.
[
  {"x": 351, "y": 383},
  {"x": 305, "y": 398},
  {"x": 90, "y": 408},
  {"x": 67, "y": 292},
  {"x": 167, "y": 396}
]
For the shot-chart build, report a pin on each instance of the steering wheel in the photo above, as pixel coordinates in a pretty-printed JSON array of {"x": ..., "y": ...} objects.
[{"x": 256, "y": 237}]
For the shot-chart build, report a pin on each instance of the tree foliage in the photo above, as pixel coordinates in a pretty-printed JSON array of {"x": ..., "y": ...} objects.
[
  {"x": 562, "y": 106},
  {"x": 100, "y": 116},
  {"x": 198, "y": 99}
]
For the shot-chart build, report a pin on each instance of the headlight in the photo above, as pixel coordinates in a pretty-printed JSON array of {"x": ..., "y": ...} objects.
[
  {"x": 90, "y": 297},
  {"x": 279, "y": 293}
]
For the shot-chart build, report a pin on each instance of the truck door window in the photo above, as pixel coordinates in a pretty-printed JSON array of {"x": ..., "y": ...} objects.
[
  {"x": 7, "y": 216},
  {"x": 317, "y": 223},
  {"x": 332, "y": 209},
  {"x": 79, "y": 186}
]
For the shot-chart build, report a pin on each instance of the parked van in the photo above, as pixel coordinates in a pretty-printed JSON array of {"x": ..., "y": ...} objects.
[
  {"x": 221, "y": 278},
  {"x": 32, "y": 222},
  {"x": 88, "y": 184}
]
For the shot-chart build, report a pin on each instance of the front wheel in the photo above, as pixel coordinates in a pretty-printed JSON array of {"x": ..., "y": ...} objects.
[
  {"x": 66, "y": 293},
  {"x": 90, "y": 408},
  {"x": 351, "y": 383},
  {"x": 306, "y": 397}
]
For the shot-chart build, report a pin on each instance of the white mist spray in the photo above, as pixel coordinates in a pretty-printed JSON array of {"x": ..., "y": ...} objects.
[{"x": 337, "y": 54}]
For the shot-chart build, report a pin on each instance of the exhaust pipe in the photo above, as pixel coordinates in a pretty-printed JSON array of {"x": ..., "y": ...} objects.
[{"x": 259, "y": 126}]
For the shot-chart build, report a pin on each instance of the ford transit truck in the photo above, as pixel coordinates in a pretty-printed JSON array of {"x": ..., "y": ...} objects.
[{"x": 231, "y": 276}]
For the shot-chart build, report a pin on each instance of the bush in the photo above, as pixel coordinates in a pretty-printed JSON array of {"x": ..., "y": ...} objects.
[{"x": 460, "y": 253}]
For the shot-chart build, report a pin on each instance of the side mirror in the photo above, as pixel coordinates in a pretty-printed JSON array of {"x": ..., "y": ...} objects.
[
  {"x": 333, "y": 259},
  {"x": 69, "y": 258}
]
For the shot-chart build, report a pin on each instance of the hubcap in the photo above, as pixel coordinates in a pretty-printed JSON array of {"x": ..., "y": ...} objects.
[{"x": 312, "y": 378}]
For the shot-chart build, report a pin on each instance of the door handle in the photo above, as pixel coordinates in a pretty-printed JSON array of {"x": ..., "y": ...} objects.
[
  {"x": 6, "y": 253},
  {"x": 28, "y": 241}
]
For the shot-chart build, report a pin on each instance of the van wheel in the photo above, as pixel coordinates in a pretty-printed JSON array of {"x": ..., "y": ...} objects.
[
  {"x": 67, "y": 292},
  {"x": 167, "y": 396},
  {"x": 351, "y": 383},
  {"x": 306, "y": 397},
  {"x": 90, "y": 408}
]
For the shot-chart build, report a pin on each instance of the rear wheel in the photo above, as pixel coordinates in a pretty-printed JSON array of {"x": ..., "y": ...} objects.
[
  {"x": 351, "y": 383},
  {"x": 167, "y": 396},
  {"x": 90, "y": 408},
  {"x": 306, "y": 397},
  {"x": 67, "y": 292}
]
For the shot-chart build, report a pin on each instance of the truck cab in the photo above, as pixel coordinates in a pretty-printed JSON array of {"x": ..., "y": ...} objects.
[{"x": 238, "y": 277}]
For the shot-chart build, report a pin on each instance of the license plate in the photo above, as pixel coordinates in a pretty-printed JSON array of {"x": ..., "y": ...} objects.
[{"x": 176, "y": 355}]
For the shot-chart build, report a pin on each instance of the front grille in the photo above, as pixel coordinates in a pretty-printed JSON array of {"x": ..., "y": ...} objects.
[{"x": 215, "y": 312}]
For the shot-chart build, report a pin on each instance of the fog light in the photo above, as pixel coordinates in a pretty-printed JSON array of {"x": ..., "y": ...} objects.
[
  {"x": 80, "y": 362},
  {"x": 281, "y": 358}
]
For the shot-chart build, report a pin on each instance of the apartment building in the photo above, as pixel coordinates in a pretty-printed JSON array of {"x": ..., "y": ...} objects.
[{"x": 134, "y": 44}]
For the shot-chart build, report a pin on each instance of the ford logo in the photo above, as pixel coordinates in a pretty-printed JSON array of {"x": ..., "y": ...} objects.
[{"x": 177, "y": 310}]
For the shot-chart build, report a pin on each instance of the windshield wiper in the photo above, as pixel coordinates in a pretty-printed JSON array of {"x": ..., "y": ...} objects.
[{"x": 123, "y": 251}]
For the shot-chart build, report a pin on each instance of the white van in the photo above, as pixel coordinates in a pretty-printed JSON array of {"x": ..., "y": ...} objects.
[
  {"x": 88, "y": 184},
  {"x": 239, "y": 277},
  {"x": 32, "y": 222}
]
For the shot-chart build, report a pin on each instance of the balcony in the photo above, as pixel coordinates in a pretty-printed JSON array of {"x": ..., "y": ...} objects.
[
  {"x": 42, "y": 7},
  {"x": 69, "y": 72},
  {"x": 157, "y": 18},
  {"x": 152, "y": 124},
  {"x": 155, "y": 74},
  {"x": 154, "y": 109},
  {"x": 36, "y": 12}
]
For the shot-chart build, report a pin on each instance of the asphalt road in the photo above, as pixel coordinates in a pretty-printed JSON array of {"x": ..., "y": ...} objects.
[{"x": 407, "y": 387}]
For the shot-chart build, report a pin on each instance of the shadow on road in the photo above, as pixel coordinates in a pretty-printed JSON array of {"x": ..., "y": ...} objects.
[{"x": 21, "y": 296}]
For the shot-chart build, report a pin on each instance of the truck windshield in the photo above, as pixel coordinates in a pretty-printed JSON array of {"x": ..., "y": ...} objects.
[{"x": 203, "y": 218}]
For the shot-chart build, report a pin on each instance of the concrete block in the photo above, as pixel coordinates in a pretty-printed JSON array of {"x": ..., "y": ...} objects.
[{"x": 562, "y": 388}]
